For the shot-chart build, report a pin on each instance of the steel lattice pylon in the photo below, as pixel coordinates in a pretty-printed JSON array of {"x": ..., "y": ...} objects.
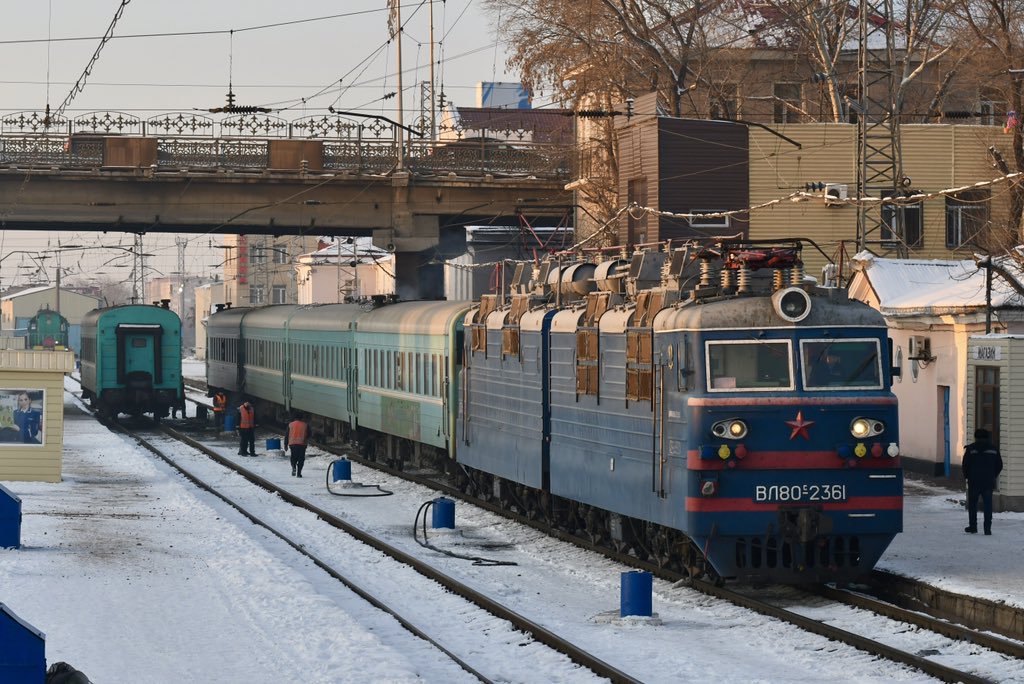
[{"x": 879, "y": 168}]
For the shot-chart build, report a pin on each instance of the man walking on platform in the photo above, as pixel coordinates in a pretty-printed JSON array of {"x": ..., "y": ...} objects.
[
  {"x": 981, "y": 465},
  {"x": 246, "y": 429},
  {"x": 220, "y": 406},
  {"x": 296, "y": 439}
]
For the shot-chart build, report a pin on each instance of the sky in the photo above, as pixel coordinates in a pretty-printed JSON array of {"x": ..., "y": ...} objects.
[
  {"x": 135, "y": 575},
  {"x": 327, "y": 53}
]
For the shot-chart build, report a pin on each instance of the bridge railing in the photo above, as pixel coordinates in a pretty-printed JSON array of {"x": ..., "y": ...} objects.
[{"x": 192, "y": 141}]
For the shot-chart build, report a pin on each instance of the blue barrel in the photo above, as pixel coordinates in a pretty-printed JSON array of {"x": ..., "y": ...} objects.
[
  {"x": 635, "y": 598},
  {"x": 22, "y": 650},
  {"x": 10, "y": 519},
  {"x": 273, "y": 444},
  {"x": 444, "y": 513},
  {"x": 341, "y": 469},
  {"x": 229, "y": 422}
]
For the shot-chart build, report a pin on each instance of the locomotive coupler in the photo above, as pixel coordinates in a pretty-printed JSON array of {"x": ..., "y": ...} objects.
[{"x": 803, "y": 523}]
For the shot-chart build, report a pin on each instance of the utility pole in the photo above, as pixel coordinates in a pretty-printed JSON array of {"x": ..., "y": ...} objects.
[
  {"x": 433, "y": 102},
  {"x": 138, "y": 270},
  {"x": 395, "y": 31},
  {"x": 181, "y": 242}
]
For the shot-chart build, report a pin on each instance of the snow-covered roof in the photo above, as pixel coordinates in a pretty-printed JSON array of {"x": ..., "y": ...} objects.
[
  {"x": 28, "y": 291},
  {"x": 362, "y": 247},
  {"x": 909, "y": 287}
]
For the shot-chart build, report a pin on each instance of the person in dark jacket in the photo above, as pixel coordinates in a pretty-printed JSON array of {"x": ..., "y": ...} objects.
[{"x": 981, "y": 465}]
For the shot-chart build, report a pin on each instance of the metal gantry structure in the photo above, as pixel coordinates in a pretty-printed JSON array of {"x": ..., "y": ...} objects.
[{"x": 879, "y": 167}]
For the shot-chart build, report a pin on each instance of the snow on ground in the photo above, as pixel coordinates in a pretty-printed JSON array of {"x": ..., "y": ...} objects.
[{"x": 136, "y": 576}]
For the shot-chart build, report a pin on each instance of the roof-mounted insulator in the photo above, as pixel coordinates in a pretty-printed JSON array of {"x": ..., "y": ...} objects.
[
  {"x": 727, "y": 280},
  {"x": 705, "y": 273},
  {"x": 796, "y": 274},
  {"x": 744, "y": 279}
]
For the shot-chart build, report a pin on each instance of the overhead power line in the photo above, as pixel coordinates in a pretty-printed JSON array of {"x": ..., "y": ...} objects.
[{"x": 80, "y": 83}]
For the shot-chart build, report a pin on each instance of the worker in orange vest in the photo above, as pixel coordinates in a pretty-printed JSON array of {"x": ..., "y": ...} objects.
[
  {"x": 296, "y": 439},
  {"x": 220, "y": 406},
  {"x": 246, "y": 429}
]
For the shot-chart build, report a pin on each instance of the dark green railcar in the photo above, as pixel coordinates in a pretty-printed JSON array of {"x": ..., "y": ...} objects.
[{"x": 131, "y": 360}]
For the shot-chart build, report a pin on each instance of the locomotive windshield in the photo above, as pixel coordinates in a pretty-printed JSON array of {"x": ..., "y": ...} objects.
[
  {"x": 841, "y": 364},
  {"x": 747, "y": 365}
]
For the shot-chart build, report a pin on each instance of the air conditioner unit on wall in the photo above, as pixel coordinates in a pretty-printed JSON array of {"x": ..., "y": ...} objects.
[
  {"x": 836, "y": 194},
  {"x": 920, "y": 348}
]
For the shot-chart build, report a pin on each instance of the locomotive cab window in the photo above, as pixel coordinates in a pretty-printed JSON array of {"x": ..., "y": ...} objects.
[
  {"x": 743, "y": 365},
  {"x": 841, "y": 364}
]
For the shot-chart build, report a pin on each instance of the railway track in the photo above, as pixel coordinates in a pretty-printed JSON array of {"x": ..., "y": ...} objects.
[
  {"x": 937, "y": 637},
  {"x": 476, "y": 662}
]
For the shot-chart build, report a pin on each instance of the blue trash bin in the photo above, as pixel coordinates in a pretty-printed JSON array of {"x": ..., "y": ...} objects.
[
  {"x": 341, "y": 469},
  {"x": 635, "y": 598},
  {"x": 22, "y": 650},
  {"x": 273, "y": 444},
  {"x": 229, "y": 422},
  {"x": 443, "y": 514},
  {"x": 10, "y": 519}
]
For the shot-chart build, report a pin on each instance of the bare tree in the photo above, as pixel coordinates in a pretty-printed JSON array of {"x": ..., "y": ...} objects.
[{"x": 994, "y": 30}]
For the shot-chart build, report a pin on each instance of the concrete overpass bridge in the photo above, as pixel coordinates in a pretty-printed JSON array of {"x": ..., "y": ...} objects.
[{"x": 262, "y": 175}]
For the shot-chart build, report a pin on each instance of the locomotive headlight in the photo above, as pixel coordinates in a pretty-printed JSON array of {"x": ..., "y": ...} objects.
[
  {"x": 860, "y": 428},
  {"x": 866, "y": 427},
  {"x": 733, "y": 428},
  {"x": 792, "y": 304}
]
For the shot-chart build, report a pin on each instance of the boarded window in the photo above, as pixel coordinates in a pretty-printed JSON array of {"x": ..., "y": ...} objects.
[
  {"x": 510, "y": 338},
  {"x": 639, "y": 369},
  {"x": 587, "y": 367},
  {"x": 478, "y": 329}
]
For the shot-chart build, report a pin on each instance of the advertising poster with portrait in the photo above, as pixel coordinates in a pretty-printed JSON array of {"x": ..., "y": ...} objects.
[{"x": 21, "y": 417}]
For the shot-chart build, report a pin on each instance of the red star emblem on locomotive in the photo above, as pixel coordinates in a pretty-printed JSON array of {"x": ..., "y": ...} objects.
[{"x": 800, "y": 426}]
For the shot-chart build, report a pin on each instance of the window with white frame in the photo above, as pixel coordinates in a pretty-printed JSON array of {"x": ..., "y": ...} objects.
[
  {"x": 280, "y": 255},
  {"x": 788, "y": 101},
  {"x": 258, "y": 255},
  {"x": 967, "y": 215},
  {"x": 705, "y": 218},
  {"x": 279, "y": 294},
  {"x": 724, "y": 101},
  {"x": 991, "y": 107},
  {"x": 256, "y": 294},
  {"x": 913, "y": 223}
]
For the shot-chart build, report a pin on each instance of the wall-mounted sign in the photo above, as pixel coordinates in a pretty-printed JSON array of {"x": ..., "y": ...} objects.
[
  {"x": 21, "y": 417},
  {"x": 987, "y": 353}
]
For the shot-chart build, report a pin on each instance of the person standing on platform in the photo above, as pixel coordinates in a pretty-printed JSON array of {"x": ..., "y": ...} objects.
[
  {"x": 220, "y": 405},
  {"x": 246, "y": 429},
  {"x": 981, "y": 465},
  {"x": 296, "y": 439}
]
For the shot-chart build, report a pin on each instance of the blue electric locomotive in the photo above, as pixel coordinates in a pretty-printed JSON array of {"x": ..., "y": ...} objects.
[
  {"x": 131, "y": 360},
  {"x": 48, "y": 330},
  {"x": 706, "y": 409}
]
